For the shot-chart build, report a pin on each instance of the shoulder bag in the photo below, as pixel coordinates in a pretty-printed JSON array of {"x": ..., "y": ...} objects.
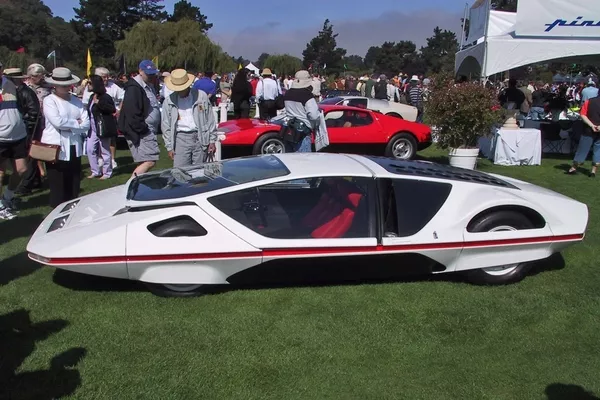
[{"x": 44, "y": 152}]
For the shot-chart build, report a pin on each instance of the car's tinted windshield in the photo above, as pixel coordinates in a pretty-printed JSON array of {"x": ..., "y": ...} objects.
[
  {"x": 182, "y": 182},
  {"x": 332, "y": 100}
]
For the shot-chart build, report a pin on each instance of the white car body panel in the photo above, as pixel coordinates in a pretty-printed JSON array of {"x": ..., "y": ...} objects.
[
  {"x": 97, "y": 240},
  {"x": 406, "y": 111}
]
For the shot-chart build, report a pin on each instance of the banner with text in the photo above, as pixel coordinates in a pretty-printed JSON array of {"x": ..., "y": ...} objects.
[{"x": 558, "y": 18}]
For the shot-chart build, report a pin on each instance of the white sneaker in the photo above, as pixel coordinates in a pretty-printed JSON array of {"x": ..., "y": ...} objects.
[
  {"x": 100, "y": 163},
  {"x": 6, "y": 214},
  {"x": 114, "y": 164}
]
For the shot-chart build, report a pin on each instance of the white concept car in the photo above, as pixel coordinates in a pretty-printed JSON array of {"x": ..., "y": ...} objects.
[{"x": 297, "y": 214}]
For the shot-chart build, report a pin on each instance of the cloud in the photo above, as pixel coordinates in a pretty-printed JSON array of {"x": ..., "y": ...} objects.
[{"x": 354, "y": 35}]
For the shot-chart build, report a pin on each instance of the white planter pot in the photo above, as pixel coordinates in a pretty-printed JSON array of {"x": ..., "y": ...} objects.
[{"x": 463, "y": 158}]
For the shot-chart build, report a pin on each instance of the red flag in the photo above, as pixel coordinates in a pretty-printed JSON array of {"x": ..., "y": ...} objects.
[{"x": 21, "y": 50}]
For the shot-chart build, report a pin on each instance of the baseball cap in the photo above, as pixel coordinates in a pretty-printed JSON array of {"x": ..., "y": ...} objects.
[{"x": 148, "y": 67}]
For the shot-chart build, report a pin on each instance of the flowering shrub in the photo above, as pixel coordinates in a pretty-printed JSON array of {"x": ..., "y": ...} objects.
[{"x": 461, "y": 113}]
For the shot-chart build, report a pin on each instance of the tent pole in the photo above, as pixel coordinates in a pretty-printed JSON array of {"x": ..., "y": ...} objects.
[{"x": 485, "y": 42}]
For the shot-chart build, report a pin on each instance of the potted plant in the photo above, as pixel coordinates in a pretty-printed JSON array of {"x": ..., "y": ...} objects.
[{"x": 462, "y": 114}]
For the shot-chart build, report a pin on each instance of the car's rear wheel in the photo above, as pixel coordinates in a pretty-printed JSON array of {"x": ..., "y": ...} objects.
[
  {"x": 395, "y": 115},
  {"x": 502, "y": 274},
  {"x": 403, "y": 146},
  {"x": 269, "y": 143},
  {"x": 176, "y": 290}
]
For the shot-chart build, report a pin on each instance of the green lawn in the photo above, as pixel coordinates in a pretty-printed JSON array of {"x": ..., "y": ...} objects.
[{"x": 93, "y": 338}]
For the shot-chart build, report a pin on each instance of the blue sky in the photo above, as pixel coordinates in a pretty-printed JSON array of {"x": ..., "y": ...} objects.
[{"x": 276, "y": 26}]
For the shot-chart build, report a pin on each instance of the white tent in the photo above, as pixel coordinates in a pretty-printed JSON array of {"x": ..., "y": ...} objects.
[
  {"x": 253, "y": 68},
  {"x": 502, "y": 48}
]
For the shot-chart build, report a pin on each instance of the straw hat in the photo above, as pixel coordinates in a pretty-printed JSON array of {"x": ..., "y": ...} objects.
[
  {"x": 302, "y": 80},
  {"x": 266, "y": 71},
  {"x": 179, "y": 80},
  {"x": 62, "y": 76},
  {"x": 14, "y": 73}
]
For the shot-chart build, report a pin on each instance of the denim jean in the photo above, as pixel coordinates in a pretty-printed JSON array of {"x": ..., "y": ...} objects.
[
  {"x": 585, "y": 143},
  {"x": 305, "y": 146},
  {"x": 537, "y": 113}
]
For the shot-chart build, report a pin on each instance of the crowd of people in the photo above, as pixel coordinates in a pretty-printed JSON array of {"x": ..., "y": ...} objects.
[{"x": 51, "y": 120}]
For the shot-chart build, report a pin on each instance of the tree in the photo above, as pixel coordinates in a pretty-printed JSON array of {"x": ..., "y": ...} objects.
[
  {"x": 185, "y": 9},
  {"x": 391, "y": 58},
  {"x": 371, "y": 56},
  {"x": 152, "y": 10},
  {"x": 440, "y": 51},
  {"x": 260, "y": 63},
  {"x": 283, "y": 64},
  {"x": 31, "y": 25},
  {"x": 505, "y": 5},
  {"x": 177, "y": 45},
  {"x": 354, "y": 63},
  {"x": 322, "y": 51}
]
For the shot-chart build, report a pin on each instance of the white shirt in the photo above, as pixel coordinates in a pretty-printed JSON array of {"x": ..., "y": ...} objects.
[
  {"x": 316, "y": 85},
  {"x": 185, "y": 122},
  {"x": 62, "y": 127},
  {"x": 392, "y": 92},
  {"x": 267, "y": 89},
  {"x": 165, "y": 91},
  {"x": 112, "y": 89}
]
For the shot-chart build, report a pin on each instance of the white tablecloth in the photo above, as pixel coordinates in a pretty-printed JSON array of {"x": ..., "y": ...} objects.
[{"x": 518, "y": 147}]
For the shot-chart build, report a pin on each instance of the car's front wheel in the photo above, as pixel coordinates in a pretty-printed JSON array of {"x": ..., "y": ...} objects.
[
  {"x": 501, "y": 274},
  {"x": 402, "y": 146},
  {"x": 269, "y": 143},
  {"x": 176, "y": 290}
]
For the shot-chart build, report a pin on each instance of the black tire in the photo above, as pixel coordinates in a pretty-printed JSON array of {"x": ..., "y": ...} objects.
[
  {"x": 265, "y": 140},
  {"x": 409, "y": 149},
  {"x": 490, "y": 222},
  {"x": 167, "y": 290},
  {"x": 395, "y": 115},
  {"x": 174, "y": 229}
]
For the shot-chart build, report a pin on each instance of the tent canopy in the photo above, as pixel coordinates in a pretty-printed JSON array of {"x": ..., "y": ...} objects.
[
  {"x": 253, "y": 68},
  {"x": 501, "y": 50}
]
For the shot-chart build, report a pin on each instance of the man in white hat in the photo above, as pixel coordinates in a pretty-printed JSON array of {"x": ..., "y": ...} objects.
[
  {"x": 267, "y": 91},
  {"x": 415, "y": 96},
  {"x": 13, "y": 144},
  {"x": 589, "y": 92},
  {"x": 188, "y": 123},
  {"x": 303, "y": 111}
]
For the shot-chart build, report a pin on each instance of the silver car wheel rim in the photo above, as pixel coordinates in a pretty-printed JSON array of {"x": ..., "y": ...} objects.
[
  {"x": 182, "y": 288},
  {"x": 272, "y": 146},
  {"x": 501, "y": 269},
  {"x": 402, "y": 149}
]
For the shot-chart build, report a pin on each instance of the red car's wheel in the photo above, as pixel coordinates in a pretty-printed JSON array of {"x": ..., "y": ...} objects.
[
  {"x": 402, "y": 146},
  {"x": 269, "y": 143}
]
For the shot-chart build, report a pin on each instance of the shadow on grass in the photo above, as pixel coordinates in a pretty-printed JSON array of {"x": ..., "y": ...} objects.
[
  {"x": 566, "y": 167},
  {"x": 561, "y": 391},
  {"x": 273, "y": 276},
  {"x": 15, "y": 267},
  {"x": 90, "y": 283},
  {"x": 19, "y": 227},
  {"x": 18, "y": 338}
]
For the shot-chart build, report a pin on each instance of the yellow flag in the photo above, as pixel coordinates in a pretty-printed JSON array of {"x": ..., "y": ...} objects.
[
  {"x": 240, "y": 66},
  {"x": 89, "y": 63},
  {"x": 155, "y": 61}
]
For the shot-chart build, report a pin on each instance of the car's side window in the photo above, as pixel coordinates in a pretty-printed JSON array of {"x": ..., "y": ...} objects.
[
  {"x": 347, "y": 119},
  {"x": 409, "y": 204},
  {"x": 317, "y": 208}
]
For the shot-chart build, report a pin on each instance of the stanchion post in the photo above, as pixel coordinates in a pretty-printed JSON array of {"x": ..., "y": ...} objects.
[{"x": 223, "y": 112}]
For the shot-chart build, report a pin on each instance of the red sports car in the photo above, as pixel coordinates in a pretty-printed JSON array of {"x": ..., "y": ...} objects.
[{"x": 351, "y": 130}]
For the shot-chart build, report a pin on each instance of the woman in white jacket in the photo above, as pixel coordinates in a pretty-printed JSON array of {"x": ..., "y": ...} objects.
[{"x": 67, "y": 124}]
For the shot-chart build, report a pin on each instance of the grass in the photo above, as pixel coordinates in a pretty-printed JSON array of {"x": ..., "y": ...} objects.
[{"x": 67, "y": 335}]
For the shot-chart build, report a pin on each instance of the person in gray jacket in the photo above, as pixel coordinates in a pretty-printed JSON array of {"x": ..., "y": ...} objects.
[{"x": 188, "y": 123}]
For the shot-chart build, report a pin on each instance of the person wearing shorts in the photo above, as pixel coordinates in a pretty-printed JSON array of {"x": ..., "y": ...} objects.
[
  {"x": 13, "y": 145},
  {"x": 139, "y": 118}
]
